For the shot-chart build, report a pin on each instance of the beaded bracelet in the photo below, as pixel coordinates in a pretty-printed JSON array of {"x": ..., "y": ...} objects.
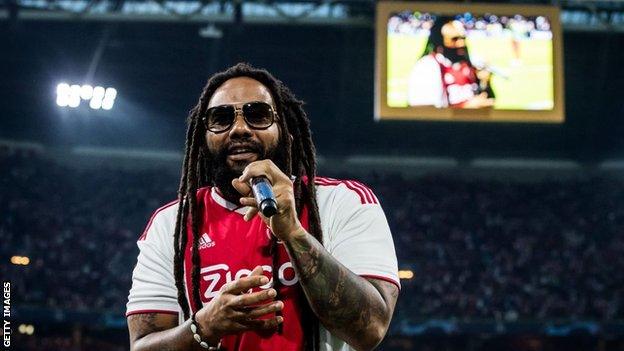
[{"x": 197, "y": 337}]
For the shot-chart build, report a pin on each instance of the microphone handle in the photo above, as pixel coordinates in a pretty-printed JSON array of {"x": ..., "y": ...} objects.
[{"x": 263, "y": 192}]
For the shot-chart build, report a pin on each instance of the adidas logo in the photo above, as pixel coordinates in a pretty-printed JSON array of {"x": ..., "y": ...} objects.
[{"x": 205, "y": 242}]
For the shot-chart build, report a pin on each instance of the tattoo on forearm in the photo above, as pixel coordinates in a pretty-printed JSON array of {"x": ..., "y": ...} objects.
[
  {"x": 346, "y": 304},
  {"x": 145, "y": 323},
  {"x": 148, "y": 325}
]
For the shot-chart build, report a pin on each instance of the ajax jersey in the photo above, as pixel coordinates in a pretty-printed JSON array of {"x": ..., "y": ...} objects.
[{"x": 355, "y": 232}]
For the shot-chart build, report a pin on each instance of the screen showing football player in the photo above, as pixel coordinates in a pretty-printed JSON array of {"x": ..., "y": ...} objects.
[{"x": 445, "y": 76}]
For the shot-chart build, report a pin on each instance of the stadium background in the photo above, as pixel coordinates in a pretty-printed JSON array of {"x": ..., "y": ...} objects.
[{"x": 514, "y": 232}]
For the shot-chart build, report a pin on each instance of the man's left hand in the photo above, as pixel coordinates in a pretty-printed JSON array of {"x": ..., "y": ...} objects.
[{"x": 284, "y": 224}]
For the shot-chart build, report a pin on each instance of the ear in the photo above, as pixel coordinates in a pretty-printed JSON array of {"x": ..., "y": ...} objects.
[{"x": 291, "y": 138}]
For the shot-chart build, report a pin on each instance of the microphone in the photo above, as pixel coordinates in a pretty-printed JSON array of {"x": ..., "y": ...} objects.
[
  {"x": 263, "y": 192},
  {"x": 482, "y": 65}
]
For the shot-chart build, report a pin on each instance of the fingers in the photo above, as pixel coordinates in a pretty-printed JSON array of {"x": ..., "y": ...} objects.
[
  {"x": 234, "y": 311},
  {"x": 255, "y": 324},
  {"x": 253, "y": 210},
  {"x": 256, "y": 271},
  {"x": 264, "y": 324},
  {"x": 244, "y": 284},
  {"x": 255, "y": 169},
  {"x": 242, "y": 187},
  {"x": 244, "y": 300},
  {"x": 248, "y": 201},
  {"x": 253, "y": 207},
  {"x": 265, "y": 309},
  {"x": 250, "y": 213},
  {"x": 264, "y": 168}
]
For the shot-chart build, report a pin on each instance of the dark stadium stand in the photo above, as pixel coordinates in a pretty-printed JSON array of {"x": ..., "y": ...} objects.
[{"x": 488, "y": 256}]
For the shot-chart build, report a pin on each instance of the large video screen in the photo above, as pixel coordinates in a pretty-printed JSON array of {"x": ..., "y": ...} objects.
[{"x": 468, "y": 62}]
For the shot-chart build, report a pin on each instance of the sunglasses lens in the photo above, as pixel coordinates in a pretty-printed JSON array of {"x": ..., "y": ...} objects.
[
  {"x": 220, "y": 118},
  {"x": 258, "y": 114}
]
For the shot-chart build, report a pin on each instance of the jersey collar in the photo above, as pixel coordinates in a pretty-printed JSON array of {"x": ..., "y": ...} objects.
[{"x": 216, "y": 196}]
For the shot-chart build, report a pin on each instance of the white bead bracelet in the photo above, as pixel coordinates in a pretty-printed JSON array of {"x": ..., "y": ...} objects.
[{"x": 197, "y": 337}]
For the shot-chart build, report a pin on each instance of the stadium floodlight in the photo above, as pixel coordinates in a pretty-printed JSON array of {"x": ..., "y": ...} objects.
[
  {"x": 95, "y": 104},
  {"x": 96, "y": 99},
  {"x": 109, "y": 98},
  {"x": 74, "y": 96},
  {"x": 107, "y": 104},
  {"x": 86, "y": 92},
  {"x": 97, "y": 96},
  {"x": 62, "y": 94},
  {"x": 20, "y": 260},
  {"x": 111, "y": 93},
  {"x": 98, "y": 93},
  {"x": 28, "y": 329},
  {"x": 406, "y": 274}
]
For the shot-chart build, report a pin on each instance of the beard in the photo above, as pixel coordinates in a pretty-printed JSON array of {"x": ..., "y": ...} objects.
[
  {"x": 455, "y": 54},
  {"x": 223, "y": 174}
]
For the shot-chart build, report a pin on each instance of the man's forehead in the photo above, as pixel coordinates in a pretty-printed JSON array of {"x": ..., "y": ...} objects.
[
  {"x": 240, "y": 90},
  {"x": 452, "y": 28}
]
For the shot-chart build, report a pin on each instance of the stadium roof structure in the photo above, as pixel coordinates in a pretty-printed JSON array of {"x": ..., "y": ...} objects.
[{"x": 576, "y": 15}]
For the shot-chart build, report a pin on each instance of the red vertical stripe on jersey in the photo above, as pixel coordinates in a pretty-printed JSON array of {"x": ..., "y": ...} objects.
[
  {"x": 372, "y": 195},
  {"x": 365, "y": 193},
  {"x": 363, "y": 190},
  {"x": 332, "y": 182}
]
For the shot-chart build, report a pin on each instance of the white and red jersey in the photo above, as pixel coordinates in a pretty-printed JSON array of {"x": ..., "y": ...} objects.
[
  {"x": 459, "y": 80},
  {"x": 355, "y": 232},
  {"x": 437, "y": 81}
]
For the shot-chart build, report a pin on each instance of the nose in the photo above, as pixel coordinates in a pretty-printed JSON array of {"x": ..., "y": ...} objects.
[{"x": 239, "y": 127}]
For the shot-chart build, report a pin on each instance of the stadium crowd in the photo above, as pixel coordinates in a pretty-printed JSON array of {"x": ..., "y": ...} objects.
[
  {"x": 417, "y": 23},
  {"x": 479, "y": 249},
  {"x": 509, "y": 251},
  {"x": 78, "y": 227}
]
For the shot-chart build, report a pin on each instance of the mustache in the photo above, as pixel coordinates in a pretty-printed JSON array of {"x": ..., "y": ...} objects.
[
  {"x": 250, "y": 145},
  {"x": 220, "y": 155}
]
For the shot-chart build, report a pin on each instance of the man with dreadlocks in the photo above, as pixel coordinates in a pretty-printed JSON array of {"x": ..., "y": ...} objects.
[
  {"x": 445, "y": 75},
  {"x": 214, "y": 273}
]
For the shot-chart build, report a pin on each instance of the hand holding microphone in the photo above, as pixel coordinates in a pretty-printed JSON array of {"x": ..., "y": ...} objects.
[{"x": 269, "y": 192}]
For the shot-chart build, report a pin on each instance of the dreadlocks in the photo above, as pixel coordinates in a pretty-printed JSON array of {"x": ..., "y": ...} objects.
[{"x": 300, "y": 161}]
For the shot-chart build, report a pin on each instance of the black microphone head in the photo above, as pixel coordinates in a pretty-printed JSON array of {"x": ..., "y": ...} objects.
[{"x": 268, "y": 207}]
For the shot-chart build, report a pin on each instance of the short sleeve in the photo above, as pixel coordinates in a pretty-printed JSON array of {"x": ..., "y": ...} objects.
[
  {"x": 153, "y": 285},
  {"x": 425, "y": 84},
  {"x": 359, "y": 235}
]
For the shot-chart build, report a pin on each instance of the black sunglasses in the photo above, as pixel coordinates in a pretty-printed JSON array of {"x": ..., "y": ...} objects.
[{"x": 257, "y": 115}]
